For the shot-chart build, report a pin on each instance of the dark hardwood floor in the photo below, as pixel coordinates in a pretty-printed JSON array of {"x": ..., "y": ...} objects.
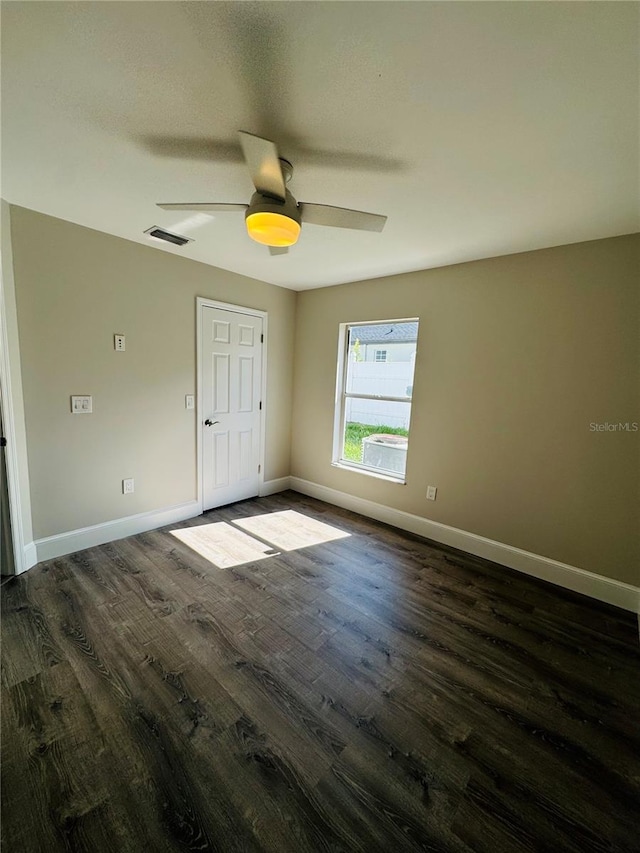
[{"x": 373, "y": 692}]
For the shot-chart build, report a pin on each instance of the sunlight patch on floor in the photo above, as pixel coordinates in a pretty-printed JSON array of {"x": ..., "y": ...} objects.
[
  {"x": 223, "y": 545},
  {"x": 289, "y": 530}
]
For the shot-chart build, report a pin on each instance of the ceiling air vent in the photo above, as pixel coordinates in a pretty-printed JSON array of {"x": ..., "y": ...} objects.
[{"x": 167, "y": 236}]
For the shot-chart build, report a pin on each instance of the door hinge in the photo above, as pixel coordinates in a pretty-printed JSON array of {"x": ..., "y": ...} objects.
[
  {"x": 259, "y": 468},
  {"x": 260, "y": 406},
  {"x": 261, "y": 339},
  {"x": 3, "y": 441}
]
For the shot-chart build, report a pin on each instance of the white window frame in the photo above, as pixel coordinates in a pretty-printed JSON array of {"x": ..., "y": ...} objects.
[
  {"x": 342, "y": 395},
  {"x": 382, "y": 352}
]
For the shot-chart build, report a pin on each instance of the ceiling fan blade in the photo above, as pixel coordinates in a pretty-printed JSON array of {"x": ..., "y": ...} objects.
[
  {"x": 278, "y": 250},
  {"x": 341, "y": 217},
  {"x": 203, "y": 207},
  {"x": 263, "y": 163}
]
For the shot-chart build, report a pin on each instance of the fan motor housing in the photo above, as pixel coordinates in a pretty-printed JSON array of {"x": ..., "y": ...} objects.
[{"x": 265, "y": 204}]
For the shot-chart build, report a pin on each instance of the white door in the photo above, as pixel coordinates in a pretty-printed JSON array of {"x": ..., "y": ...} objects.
[{"x": 230, "y": 406}]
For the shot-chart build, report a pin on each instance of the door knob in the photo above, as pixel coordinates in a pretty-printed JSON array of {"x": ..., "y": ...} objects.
[{"x": 210, "y": 423}]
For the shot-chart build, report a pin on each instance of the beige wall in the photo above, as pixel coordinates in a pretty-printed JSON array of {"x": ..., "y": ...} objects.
[
  {"x": 517, "y": 356},
  {"x": 75, "y": 288}
]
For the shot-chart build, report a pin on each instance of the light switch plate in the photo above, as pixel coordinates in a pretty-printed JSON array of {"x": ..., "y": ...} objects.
[
  {"x": 81, "y": 405},
  {"x": 127, "y": 486},
  {"x": 189, "y": 401},
  {"x": 431, "y": 493}
]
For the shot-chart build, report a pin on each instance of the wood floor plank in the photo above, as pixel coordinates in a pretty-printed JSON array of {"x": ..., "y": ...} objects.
[
  {"x": 63, "y": 782},
  {"x": 28, "y": 647},
  {"x": 131, "y": 693},
  {"x": 355, "y": 688}
]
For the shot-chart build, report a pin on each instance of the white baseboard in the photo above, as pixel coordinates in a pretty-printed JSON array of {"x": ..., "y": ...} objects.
[
  {"x": 588, "y": 583},
  {"x": 98, "y": 534},
  {"x": 30, "y": 556},
  {"x": 579, "y": 580},
  {"x": 270, "y": 487}
]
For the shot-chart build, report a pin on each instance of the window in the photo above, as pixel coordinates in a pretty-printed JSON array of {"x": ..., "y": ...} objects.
[{"x": 373, "y": 399}]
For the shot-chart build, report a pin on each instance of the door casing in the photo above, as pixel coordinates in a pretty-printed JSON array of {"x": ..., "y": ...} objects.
[{"x": 203, "y": 302}]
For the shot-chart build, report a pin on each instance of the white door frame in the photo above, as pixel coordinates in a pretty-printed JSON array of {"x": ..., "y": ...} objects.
[
  {"x": 9, "y": 326},
  {"x": 203, "y": 302}
]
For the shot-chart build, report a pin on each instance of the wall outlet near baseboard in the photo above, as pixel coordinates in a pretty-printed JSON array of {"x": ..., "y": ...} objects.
[
  {"x": 431, "y": 493},
  {"x": 127, "y": 487}
]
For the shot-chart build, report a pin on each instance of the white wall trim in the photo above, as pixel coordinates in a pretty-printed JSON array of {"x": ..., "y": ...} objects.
[
  {"x": 86, "y": 537},
  {"x": 11, "y": 402},
  {"x": 271, "y": 487},
  {"x": 30, "y": 556},
  {"x": 570, "y": 577}
]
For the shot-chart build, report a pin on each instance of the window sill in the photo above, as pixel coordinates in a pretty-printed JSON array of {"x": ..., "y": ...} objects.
[{"x": 399, "y": 481}]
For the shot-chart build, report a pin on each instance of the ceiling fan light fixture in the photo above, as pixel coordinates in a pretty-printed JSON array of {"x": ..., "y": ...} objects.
[
  {"x": 273, "y": 217},
  {"x": 272, "y": 229}
]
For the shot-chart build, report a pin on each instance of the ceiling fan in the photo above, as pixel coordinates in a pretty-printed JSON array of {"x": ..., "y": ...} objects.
[{"x": 273, "y": 217}]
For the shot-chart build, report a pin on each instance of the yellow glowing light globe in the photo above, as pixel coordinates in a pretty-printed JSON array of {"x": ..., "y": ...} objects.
[{"x": 272, "y": 229}]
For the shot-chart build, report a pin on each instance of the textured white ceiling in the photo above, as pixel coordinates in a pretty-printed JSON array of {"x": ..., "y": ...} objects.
[{"x": 479, "y": 129}]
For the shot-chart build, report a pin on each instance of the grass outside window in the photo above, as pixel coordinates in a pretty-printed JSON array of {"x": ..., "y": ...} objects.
[{"x": 355, "y": 432}]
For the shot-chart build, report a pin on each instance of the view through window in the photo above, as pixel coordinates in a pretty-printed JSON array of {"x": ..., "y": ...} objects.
[{"x": 374, "y": 403}]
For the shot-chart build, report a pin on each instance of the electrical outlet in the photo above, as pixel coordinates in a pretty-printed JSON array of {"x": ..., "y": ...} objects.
[
  {"x": 189, "y": 401},
  {"x": 431, "y": 493},
  {"x": 127, "y": 487},
  {"x": 118, "y": 343}
]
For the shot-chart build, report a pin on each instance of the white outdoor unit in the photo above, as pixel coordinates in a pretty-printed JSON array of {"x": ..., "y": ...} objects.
[{"x": 388, "y": 452}]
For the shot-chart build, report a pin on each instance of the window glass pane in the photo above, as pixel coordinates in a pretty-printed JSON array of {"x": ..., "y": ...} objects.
[
  {"x": 376, "y": 434},
  {"x": 381, "y": 359}
]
